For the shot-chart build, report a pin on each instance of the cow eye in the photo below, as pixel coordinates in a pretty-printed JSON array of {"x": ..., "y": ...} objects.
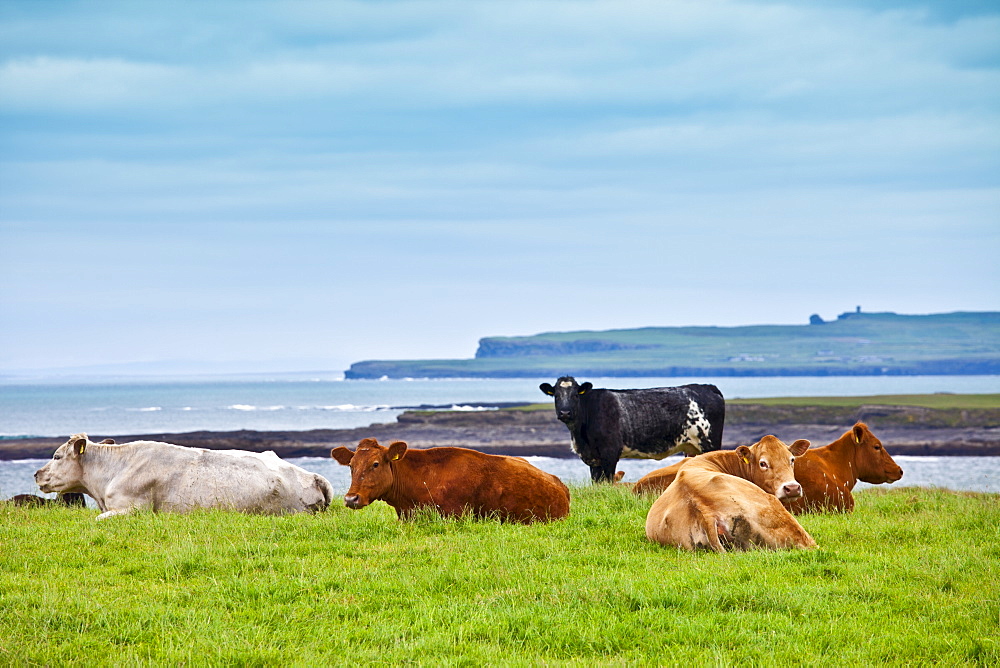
[
  {"x": 763, "y": 464},
  {"x": 792, "y": 461},
  {"x": 878, "y": 447},
  {"x": 56, "y": 456},
  {"x": 375, "y": 465}
]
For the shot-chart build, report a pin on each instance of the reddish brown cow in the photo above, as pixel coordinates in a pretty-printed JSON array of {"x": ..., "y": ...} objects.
[
  {"x": 828, "y": 473},
  {"x": 453, "y": 481},
  {"x": 730, "y": 500},
  {"x": 655, "y": 482}
]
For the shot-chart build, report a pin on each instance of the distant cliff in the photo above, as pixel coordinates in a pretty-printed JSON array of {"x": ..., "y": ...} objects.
[{"x": 856, "y": 343}]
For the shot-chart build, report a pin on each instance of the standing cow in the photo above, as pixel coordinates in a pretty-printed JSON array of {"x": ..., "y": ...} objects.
[
  {"x": 162, "y": 476},
  {"x": 606, "y": 425}
]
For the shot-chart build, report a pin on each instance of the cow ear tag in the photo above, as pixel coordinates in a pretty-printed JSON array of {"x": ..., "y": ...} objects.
[
  {"x": 80, "y": 446},
  {"x": 746, "y": 461},
  {"x": 396, "y": 457}
]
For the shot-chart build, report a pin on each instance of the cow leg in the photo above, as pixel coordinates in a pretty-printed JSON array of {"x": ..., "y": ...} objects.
[
  {"x": 112, "y": 513},
  {"x": 603, "y": 472}
]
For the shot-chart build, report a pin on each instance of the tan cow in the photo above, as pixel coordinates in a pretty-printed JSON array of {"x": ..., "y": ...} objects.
[
  {"x": 828, "y": 473},
  {"x": 452, "y": 481},
  {"x": 163, "y": 476},
  {"x": 730, "y": 500}
]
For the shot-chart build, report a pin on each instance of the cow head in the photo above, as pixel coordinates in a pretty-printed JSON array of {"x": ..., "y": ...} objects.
[
  {"x": 371, "y": 470},
  {"x": 769, "y": 464},
  {"x": 64, "y": 472},
  {"x": 872, "y": 464},
  {"x": 567, "y": 393}
]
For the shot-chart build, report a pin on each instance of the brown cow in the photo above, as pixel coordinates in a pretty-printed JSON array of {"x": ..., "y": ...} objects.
[
  {"x": 828, "y": 473},
  {"x": 730, "y": 500},
  {"x": 453, "y": 481},
  {"x": 657, "y": 481}
]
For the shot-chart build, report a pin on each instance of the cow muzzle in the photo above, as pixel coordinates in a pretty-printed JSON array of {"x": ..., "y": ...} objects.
[
  {"x": 354, "y": 501},
  {"x": 790, "y": 490}
]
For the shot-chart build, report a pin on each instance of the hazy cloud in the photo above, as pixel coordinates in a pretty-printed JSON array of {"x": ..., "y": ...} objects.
[{"x": 189, "y": 170}]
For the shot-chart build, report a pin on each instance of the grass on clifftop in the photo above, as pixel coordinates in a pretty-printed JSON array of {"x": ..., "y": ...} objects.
[{"x": 908, "y": 579}]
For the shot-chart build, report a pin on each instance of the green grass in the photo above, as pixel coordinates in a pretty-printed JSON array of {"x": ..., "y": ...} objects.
[
  {"x": 909, "y": 578},
  {"x": 937, "y": 401}
]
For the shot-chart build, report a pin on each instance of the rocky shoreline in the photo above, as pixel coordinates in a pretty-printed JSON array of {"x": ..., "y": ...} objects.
[{"x": 904, "y": 431}]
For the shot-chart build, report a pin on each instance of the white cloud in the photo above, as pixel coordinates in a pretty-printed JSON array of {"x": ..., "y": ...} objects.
[
  {"x": 60, "y": 84},
  {"x": 322, "y": 164}
]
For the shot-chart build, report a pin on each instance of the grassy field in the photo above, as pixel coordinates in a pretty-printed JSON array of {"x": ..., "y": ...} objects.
[
  {"x": 936, "y": 401},
  {"x": 910, "y": 578}
]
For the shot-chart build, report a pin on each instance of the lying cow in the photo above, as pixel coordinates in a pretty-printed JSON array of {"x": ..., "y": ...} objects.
[
  {"x": 606, "y": 425},
  {"x": 162, "y": 476},
  {"x": 34, "y": 501},
  {"x": 656, "y": 482},
  {"x": 732, "y": 500},
  {"x": 828, "y": 473},
  {"x": 453, "y": 481}
]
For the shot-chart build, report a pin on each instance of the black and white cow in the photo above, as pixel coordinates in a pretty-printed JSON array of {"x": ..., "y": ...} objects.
[{"x": 606, "y": 425}]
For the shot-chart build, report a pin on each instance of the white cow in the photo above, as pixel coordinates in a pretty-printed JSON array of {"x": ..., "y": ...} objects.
[{"x": 163, "y": 476}]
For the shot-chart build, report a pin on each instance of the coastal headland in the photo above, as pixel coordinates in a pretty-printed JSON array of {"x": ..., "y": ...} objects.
[
  {"x": 855, "y": 344},
  {"x": 533, "y": 430}
]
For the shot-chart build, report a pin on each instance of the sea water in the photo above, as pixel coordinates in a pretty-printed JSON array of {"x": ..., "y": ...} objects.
[
  {"x": 54, "y": 409},
  {"x": 973, "y": 474},
  {"x": 276, "y": 404}
]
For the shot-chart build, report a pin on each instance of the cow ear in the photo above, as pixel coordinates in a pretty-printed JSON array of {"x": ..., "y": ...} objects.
[
  {"x": 397, "y": 450},
  {"x": 547, "y": 389},
  {"x": 859, "y": 432},
  {"x": 108, "y": 441},
  {"x": 744, "y": 453},
  {"x": 799, "y": 447},
  {"x": 79, "y": 445},
  {"x": 342, "y": 455},
  {"x": 586, "y": 387}
]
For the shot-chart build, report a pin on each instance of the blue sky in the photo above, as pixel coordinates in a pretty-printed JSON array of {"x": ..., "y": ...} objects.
[{"x": 298, "y": 185}]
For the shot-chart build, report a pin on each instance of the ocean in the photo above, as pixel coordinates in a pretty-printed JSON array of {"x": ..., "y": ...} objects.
[
  {"x": 139, "y": 406},
  {"x": 278, "y": 404}
]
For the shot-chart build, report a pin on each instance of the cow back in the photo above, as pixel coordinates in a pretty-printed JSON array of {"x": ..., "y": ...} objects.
[
  {"x": 653, "y": 422},
  {"x": 458, "y": 480},
  {"x": 704, "y": 509}
]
